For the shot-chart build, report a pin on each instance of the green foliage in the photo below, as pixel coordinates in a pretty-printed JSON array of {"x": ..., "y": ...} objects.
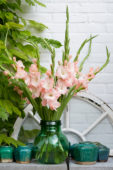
[
  {"x": 12, "y": 25},
  {"x": 17, "y": 40},
  {"x": 11, "y": 105},
  {"x": 6, "y": 127},
  {"x": 4, "y": 140},
  {"x": 39, "y": 26},
  {"x": 53, "y": 43},
  {"x": 7, "y": 108},
  {"x": 25, "y": 135},
  {"x": 10, "y": 101},
  {"x": 19, "y": 54},
  {"x": 32, "y": 2}
]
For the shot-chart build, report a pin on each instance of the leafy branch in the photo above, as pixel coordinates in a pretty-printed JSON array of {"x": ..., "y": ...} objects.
[{"x": 4, "y": 140}]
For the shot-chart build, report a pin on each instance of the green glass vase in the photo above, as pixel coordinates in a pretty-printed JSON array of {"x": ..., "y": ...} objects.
[{"x": 52, "y": 145}]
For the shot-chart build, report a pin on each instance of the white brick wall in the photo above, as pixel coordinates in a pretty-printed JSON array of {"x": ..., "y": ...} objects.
[{"x": 86, "y": 17}]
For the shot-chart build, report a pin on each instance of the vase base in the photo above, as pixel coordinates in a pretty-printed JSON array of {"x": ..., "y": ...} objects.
[
  {"x": 22, "y": 162},
  {"x": 85, "y": 163},
  {"x": 6, "y": 160},
  {"x": 50, "y": 163}
]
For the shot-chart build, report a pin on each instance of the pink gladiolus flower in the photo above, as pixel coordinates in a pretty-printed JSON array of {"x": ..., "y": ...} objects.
[
  {"x": 19, "y": 64},
  {"x": 21, "y": 73},
  {"x": 47, "y": 84},
  {"x": 71, "y": 68},
  {"x": 35, "y": 79},
  {"x": 6, "y": 72},
  {"x": 82, "y": 81},
  {"x": 27, "y": 80},
  {"x": 61, "y": 87},
  {"x": 50, "y": 99},
  {"x": 48, "y": 73},
  {"x": 34, "y": 60},
  {"x": 44, "y": 102},
  {"x": 76, "y": 67},
  {"x": 14, "y": 59},
  {"x": 70, "y": 81},
  {"x": 51, "y": 94},
  {"x": 50, "y": 87},
  {"x": 54, "y": 105},
  {"x": 62, "y": 72},
  {"x": 33, "y": 69},
  {"x": 91, "y": 74},
  {"x": 35, "y": 91}
]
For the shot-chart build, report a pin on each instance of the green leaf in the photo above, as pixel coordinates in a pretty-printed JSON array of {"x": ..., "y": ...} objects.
[
  {"x": 5, "y": 60},
  {"x": 19, "y": 2},
  {"x": 3, "y": 113},
  {"x": 9, "y": 15},
  {"x": 2, "y": 45},
  {"x": 16, "y": 110},
  {"x": 14, "y": 25},
  {"x": 43, "y": 69},
  {"x": 2, "y": 27},
  {"x": 23, "y": 21},
  {"x": 30, "y": 51},
  {"x": 5, "y": 140},
  {"x": 22, "y": 35},
  {"x": 54, "y": 43},
  {"x": 2, "y": 15},
  {"x": 30, "y": 2},
  {"x": 39, "y": 3},
  {"x": 39, "y": 26},
  {"x": 7, "y": 105},
  {"x": 18, "y": 54},
  {"x": 14, "y": 6},
  {"x": 3, "y": 2}
]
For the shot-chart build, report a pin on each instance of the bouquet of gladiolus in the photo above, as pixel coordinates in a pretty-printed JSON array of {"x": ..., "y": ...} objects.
[{"x": 49, "y": 92}]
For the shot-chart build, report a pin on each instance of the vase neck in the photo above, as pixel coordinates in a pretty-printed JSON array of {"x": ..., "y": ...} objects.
[{"x": 50, "y": 126}]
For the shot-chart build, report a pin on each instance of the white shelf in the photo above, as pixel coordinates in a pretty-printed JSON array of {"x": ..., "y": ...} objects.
[{"x": 34, "y": 166}]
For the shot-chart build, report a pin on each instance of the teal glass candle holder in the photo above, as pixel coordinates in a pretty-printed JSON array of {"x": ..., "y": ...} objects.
[
  {"x": 103, "y": 152},
  {"x": 23, "y": 154},
  {"x": 6, "y": 154},
  {"x": 84, "y": 153}
]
